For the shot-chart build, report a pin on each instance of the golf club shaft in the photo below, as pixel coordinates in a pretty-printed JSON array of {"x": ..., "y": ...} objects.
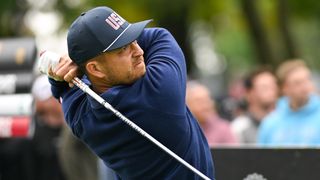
[{"x": 91, "y": 93}]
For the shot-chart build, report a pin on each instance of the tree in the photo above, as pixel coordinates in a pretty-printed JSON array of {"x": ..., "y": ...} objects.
[
  {"x": 11, "y": 15},
  {"x": 258, "y": 32},
  {"x": 261, "y": 36},
  {"x": 290, "y": 47}
]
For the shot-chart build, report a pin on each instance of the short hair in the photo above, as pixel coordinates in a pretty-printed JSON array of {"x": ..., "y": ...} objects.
[
  {"x": 248, "y": 80},
  {"x": 287, "y": 67},
  {"x": 82, "y": 66},
  {"x": 192, "y": 84}
]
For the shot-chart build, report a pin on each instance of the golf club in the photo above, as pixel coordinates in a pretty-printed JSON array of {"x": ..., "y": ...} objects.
[
  {"x": 76, "y": 81},
  {"x": 52, "y": 59}
]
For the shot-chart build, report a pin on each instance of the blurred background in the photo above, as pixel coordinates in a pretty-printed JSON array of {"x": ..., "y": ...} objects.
[
  {"x": 234, "y": 49},
  {"x": 221, "y": 39}
]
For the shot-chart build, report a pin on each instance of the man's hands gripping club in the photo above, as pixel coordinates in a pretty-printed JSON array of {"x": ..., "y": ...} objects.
[
  {"x": 60, "y": 68},
  {"x": 63, "y": 69}
]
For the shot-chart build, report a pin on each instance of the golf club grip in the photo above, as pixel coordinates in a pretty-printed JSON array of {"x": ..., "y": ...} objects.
[{"x": 85, "y": 88}]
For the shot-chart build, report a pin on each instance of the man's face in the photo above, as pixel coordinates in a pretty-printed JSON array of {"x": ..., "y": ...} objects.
[
  {"x": 124, "y": 65},
  {"x": 298, "y": 85},
  {"x": 264, "y": 91},
  {"x": 200, "y": 103}
]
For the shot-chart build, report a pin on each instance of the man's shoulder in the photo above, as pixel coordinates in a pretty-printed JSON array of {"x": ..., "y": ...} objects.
[
  {"x": 273, "y": 116},
  {"x": 156, "y": 30},
  {"x": 151, "y": 33},
  {"x": 271, "y": 121},
  {"x": 240, "y": 125},
  {"x": 242, "y": 121}
]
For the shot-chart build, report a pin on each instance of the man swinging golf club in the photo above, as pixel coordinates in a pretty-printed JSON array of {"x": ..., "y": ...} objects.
[{"x": 142, "y": 73}]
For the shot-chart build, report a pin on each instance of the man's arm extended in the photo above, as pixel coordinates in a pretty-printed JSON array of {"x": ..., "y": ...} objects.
[{"x": 165, "y": 78}]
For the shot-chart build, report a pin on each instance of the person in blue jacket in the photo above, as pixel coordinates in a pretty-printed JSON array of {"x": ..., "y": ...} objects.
[
  {"x": 296, "y": 119},
  {"x": 142, "y": 73}
]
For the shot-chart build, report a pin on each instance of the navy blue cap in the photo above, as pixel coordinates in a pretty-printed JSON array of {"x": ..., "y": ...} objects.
[{"x": 100, "y": 30}]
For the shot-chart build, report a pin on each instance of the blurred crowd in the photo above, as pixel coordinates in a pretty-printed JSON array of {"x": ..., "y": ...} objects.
[
  {"x": 265, "y": 108},
  {"x": 271, "y": 108},
  {"x": 52, "y": 153}
]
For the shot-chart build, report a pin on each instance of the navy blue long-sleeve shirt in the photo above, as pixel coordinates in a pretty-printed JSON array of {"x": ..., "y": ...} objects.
[{"x": 156, "y": 103}]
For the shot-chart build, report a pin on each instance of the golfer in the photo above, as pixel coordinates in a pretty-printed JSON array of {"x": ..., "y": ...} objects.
[{"x": 142, "y": 73}]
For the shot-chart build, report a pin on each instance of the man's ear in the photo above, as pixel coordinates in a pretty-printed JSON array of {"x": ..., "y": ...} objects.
[{"x": 94, "y": 69}]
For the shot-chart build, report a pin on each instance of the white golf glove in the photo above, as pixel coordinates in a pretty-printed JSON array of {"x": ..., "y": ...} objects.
[{"x": 48, "y": 62}]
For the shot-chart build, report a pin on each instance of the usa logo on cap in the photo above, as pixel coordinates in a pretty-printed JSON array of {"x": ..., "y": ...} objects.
[
  {"x": 87, "y": 38},
  {"x": 115, "y": 21}
]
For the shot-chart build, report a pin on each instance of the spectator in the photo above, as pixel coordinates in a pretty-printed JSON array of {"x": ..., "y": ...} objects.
[
  {"x": 48, "y": 120},
  {"x": 58, "y": 154},
  {"x": 296, "y": 119},
  {"x": 216, "y": 129},
  {"x": 261, "y": 96},
  {"x": 231, "y": 104},
  {"x": 78, "y": 162}
]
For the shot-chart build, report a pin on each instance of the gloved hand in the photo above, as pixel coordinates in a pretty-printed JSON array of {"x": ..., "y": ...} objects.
[{"x": 59, "y": 68}]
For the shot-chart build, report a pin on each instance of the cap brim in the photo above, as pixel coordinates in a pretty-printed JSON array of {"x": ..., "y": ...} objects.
[{"x": 131, "y": 34}]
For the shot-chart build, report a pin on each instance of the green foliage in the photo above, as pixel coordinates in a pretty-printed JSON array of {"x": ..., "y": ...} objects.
[
  {"x": 11, "y": 17},
  {"x": 305, "y": 8},
  {"x": 231, "y": 33},
  {"x": 237, "y": 49}
]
